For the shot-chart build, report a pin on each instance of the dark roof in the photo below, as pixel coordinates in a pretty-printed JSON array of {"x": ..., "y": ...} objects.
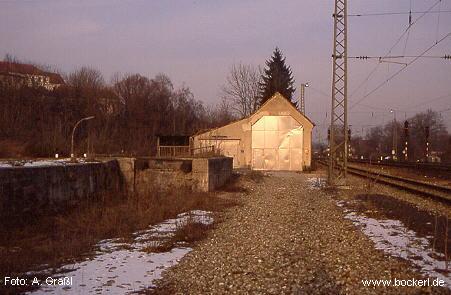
[
  {"x": 55, "y": 78},
  {"x": 28, "y": 69},
  {"x": 12, "y": 67},
  {"x": 171, "y": 140}
]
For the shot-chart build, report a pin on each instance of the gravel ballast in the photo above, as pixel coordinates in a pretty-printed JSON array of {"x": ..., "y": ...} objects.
[{"x": 287, "y": 237}]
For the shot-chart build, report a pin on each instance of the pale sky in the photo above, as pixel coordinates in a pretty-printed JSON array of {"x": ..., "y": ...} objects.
[{"x": 196, "y": 42}]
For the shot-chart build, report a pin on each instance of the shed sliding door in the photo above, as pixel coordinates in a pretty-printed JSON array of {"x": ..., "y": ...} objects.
[{"x": 277, "y": 143}]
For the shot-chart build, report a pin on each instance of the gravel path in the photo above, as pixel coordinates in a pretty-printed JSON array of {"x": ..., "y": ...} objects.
[{"x": 287, "y": 237}]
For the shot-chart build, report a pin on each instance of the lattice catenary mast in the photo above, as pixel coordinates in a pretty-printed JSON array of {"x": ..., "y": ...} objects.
[
  {"x": 338, "y": 143},
  {"x": 302, "y": 98}
]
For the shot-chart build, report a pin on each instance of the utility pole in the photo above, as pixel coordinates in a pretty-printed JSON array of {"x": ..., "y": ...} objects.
[
  {"x": 394, "y": 151},
  {"x": 426, "y": 133},
  {"x": 349, "y": 142},
  {"x": 302, "y": 102},
  {"x": 406, "y": 140},
  {"x": 338, "y": 143}
]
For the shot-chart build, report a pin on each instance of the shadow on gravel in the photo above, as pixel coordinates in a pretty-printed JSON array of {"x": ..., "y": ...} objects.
[
  {"x": 324, "y": 280},
  {"x": 431, "y": 226},
  {"x": 236, "y": 185},
  {"x": 256, "y": 176}
]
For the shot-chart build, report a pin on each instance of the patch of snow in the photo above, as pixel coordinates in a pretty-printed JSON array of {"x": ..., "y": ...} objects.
[
  {"x": 39, "y": 163},
  {"x": 395, "y": 239},
  {"x": 115, "y": 270},
  {"x": 316, "y": 182},
  {"x": 43, "y": 163},
  {"x": 166, "y": 229},
  {"x": 31, "y": 163}
]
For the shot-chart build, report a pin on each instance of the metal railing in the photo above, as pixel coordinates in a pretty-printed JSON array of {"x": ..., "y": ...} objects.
[
  {"x": 173, "y": 151},
  {"x": 204, "y": 151},
  {"x": 180, "y": 151}
]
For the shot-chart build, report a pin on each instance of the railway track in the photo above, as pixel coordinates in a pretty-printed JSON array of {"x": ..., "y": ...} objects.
[
  {"x": 438, "y": 192},
  {"x": 412, "y": 165}
]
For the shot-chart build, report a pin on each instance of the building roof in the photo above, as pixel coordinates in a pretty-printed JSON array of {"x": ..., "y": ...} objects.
[
  {"x": 276, "y": 96},
  {"x": 174, "y": 140},
  {"x": 12, "y": 67},
  {"x": 279, "y": 96},
  {"x": 54, "y": 78},
  {"x": 28, "y": 69}
]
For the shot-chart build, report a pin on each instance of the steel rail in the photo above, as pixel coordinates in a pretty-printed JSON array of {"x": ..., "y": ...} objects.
[
  {"x": 436, "y": 166},
  {"x": 438, "y": 192}
]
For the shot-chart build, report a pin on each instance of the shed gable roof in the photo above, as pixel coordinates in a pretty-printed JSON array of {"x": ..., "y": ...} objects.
[{"x": 276, "y": 100}]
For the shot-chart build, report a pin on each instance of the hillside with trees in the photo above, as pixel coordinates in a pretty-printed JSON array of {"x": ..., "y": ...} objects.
[{"x": 130, "y": 112}]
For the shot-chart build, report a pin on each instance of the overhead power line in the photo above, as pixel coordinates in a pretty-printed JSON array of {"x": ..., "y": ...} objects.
[
  {"x": 408, "y": 109},
  {"x": 364, "y": 57},
  {"x": 320, "y": 91},
  {"x": 400, "y": 70},
  {"x": 394, "y": 45},
  {"x": 429, "y": 101},
  {"x": 398, "y": 13}
]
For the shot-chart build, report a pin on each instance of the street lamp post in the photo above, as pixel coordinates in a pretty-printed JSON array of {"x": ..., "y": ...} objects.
[{"x": 72, "y": 155}]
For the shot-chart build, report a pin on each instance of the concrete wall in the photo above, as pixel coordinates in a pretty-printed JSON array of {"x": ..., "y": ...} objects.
[
  {"x": 198, "y": 174},
  {"x": 211, "y": 173},
  {"x": 47, "y": 188},
  {"x": 50, "y": 188},
  {"x": 127, "y": 171},
  {"x": 162, "y": 174}
]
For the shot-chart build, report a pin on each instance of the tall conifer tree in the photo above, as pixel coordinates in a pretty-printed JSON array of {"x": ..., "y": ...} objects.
[{"x": 277, "y": 77}]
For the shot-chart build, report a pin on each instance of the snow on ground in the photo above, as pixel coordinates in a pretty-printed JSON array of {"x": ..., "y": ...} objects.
[
  {"x": 397, "y": 240},
  {"x": 33, "y": 163},
  {"x": 120, "y": 268},
  {"x": 38, "y": 163},
  {"x": 316, "y": 182}
]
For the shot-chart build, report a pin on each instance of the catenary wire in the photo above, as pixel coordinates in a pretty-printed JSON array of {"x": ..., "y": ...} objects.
[
  {"x": 400, "y": 70},
  {"x": 397, "y": 13},
  {"x": 394, "y": 45}
]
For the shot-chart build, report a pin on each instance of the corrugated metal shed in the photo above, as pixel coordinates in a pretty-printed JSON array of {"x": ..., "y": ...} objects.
[{"x": 276, "y": 137}]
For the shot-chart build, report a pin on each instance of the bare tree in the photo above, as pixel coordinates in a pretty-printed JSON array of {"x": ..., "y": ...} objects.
[
  {"x": 242, "y": 89},
  {"x": 129, "y": 113},
  {"x": 437, "y": 137},
  {"x": 11, "y": 58},
  {"x": 219, "y": 114},
  {"x": 86, "y": 77}
]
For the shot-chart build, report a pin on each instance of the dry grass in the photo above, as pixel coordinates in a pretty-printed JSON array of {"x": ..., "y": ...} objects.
[
  {"x": 66, "y": 237},
  {"x": 187, "y": 233},
  {"x": 192, "y": 231}
]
